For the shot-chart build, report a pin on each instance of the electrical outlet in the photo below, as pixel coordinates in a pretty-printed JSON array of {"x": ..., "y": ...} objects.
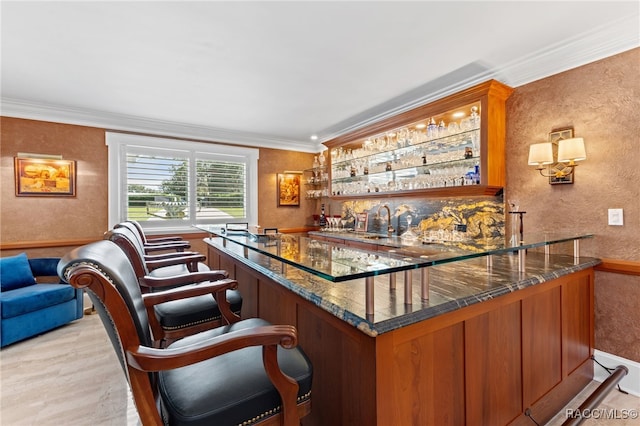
[{"x": 615, "y": 217}]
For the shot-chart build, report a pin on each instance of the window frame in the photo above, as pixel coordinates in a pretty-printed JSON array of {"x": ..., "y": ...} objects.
[{"x": 118, "y": 145}]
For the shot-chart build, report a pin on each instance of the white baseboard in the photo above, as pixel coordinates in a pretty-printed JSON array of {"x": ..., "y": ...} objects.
[{"x": 630, "y": 383}]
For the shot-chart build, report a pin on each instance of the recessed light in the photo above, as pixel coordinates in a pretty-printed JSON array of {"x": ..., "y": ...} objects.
[
  {"x": 421, "y": 126},
  {"x": 459, "y": 114},
  {"x": 314, "y": 137}
]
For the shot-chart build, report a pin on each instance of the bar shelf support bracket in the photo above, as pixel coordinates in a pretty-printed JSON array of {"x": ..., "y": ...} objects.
[
  {"x": 424, "y": 284},
  {"x": 369, "y": 286},
  {"x": 408, "y": 287}
]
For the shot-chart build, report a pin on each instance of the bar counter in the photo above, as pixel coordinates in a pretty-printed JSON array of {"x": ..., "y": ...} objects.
[
  {"x": 502, "y": 333},
  {"x": 457, "y": 277}
]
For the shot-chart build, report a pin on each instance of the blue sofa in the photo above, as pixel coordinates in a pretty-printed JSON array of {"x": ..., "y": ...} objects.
[{"x": 29, "y": 308}]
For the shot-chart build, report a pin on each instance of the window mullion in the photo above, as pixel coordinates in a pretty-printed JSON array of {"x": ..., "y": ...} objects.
[{"x": 193, "y": 183}]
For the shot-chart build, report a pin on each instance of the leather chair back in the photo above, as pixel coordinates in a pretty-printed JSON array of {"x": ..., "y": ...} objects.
[
  {"x": 135, "y": 232},
  {"x": 129, "y": 243},
  {"x": 117, "y": 281}
]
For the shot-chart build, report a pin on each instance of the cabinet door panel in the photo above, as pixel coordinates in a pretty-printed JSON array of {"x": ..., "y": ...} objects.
[
  {"x": 577, "y": 322},
  {"x": 344, "y": 381},
  {"x": 493, "y": 366},
  {"x": 276, "y": 304},
  {"x": 541, "y": 344},
  {"x": 427, "y": 380},
  {"x": 248, "y": 287}
]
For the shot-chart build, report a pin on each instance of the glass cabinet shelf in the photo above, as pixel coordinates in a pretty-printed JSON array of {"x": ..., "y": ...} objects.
[
  {"x": 316, "y": 182},
  {"x": 431, "y": 151},
  {"x": 454, "y": 144}
]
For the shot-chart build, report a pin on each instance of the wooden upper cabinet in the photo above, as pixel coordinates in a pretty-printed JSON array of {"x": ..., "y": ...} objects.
[{"x": 454, "y": 146}]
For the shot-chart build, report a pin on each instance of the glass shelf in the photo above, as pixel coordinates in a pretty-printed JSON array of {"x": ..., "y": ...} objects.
[
  {"x": 336, "y": 262},
  {"x": 316, "y": 182},
  {"x": 446, "y": 144},
  {"x": 422, "y": 176},
  {"x": 409, "y": 159}
]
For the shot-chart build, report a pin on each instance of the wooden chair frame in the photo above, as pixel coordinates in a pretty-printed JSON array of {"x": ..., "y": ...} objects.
[{"x": 139, "y": 360}]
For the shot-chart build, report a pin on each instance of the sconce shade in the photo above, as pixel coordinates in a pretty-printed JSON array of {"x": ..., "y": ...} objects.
[
  {"x": 571, "y": 150},
  {"x": 540, "y": 154}
]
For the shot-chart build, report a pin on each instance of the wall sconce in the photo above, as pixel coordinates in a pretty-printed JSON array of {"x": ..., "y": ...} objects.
[{"x": 560, "y": 170}]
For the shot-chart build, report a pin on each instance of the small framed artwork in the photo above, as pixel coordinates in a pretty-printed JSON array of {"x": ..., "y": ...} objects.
[
  {"x": 362, "y": 220},
  {"x": 289, "y": 189},
  {"x": 43, "y": 177},
  {"x": 554, "y": 137}
]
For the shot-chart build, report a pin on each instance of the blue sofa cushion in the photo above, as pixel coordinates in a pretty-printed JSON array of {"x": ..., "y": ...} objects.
[
  {"x": 15, "y": 272},
  {"x": 33, "y": 298}
]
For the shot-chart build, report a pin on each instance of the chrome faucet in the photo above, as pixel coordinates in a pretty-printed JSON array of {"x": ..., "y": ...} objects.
[{"x": 390, "y": 229}]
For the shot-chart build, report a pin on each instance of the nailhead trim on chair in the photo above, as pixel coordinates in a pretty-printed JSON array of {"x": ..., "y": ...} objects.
[
  {"x": 171, "y": 328},
  {"x": 272, "y": 412},
  {"x": 181, "y": 326}
]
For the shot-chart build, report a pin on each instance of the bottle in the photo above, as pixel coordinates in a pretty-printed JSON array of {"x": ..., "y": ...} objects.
[
  {"x": 323, "y": 217},
  {"x": 432, "y": 129}
]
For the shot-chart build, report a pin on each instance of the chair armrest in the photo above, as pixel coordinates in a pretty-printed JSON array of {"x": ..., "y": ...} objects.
[
  {"x": 161, "y": 256},
  {"x": 149, "y": 359},
  {"x": 218, "y": 289},
  {"x": 178, "y": 246},
  {"x": 183, "y": 279},
  {"x": 162, "y": 240},
  {"x": 190, "y": 261}
]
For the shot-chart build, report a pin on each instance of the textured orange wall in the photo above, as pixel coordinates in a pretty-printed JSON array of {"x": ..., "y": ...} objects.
[
  {"x": 601, "y": 101},
  {"x": 272, "y": 162},
  {"x": 32, "y": 219},
  {"x": 46, "y": 219}
]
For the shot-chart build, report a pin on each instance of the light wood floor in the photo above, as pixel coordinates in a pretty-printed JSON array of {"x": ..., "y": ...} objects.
[{"x": 71, "y": 377}]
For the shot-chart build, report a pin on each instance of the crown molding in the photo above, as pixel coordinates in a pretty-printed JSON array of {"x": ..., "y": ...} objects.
[
  {"x": 132, "y": 124},
  {"x": 590, "y": 46}
]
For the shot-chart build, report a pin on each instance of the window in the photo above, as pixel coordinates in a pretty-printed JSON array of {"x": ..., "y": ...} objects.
[{"x": 171, "y": 184}]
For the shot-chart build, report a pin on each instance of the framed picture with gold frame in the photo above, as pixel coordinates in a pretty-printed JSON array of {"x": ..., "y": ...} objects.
[
  {"x": 289, "y": 189},
  {"x": 554, "y": 137},
  {"x": 43, "y": 177}
]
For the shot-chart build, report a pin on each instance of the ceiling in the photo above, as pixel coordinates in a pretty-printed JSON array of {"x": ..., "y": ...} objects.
[{"x": 274, "y": 73}]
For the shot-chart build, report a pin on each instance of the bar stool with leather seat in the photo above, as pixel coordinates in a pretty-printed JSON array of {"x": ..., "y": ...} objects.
[
  {"x": 181, "y": 317},
  {"x": 155, "y": 265},
  {"x": 248, "y": 372},
  {"x": 152, "y": 245}
]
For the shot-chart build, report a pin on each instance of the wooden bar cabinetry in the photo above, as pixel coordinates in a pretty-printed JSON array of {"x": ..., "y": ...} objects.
[
  {"x": 483, "y": 364},
  {"x": 398, "y": 156}
]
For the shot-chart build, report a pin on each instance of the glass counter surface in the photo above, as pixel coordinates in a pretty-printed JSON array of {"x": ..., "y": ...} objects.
[{"x": 337, "y": 262}]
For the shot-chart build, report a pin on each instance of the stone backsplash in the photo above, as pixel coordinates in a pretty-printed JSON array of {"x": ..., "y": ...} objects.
[{"x": 480, "y": 217}]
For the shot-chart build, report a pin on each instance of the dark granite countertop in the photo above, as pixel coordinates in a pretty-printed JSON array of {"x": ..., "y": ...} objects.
[{"x": 452, "y": 286}]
